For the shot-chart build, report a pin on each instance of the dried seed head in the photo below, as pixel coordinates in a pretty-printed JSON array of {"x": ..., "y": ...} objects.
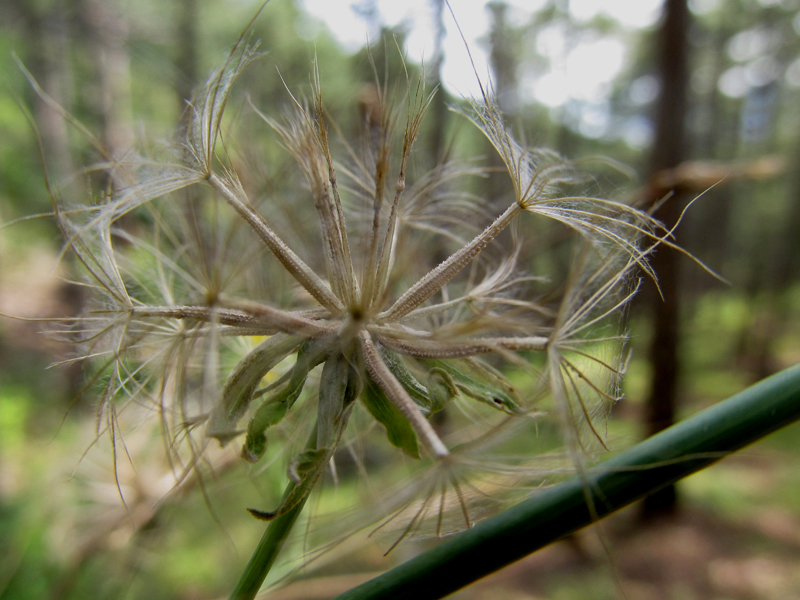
[{"x": 358, "y": 293}]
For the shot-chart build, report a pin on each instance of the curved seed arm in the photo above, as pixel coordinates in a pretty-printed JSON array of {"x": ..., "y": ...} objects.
[
  {"x": 291, "y": 262},
  {"x": 416, "y": 111},
  {"x": 444, "y": 349},
  {"x": 560, "y": 510},
  {"x": 437, "y": 278},
  {"x": 255, "y": 316},
  {"x": 397, "y": 394}
]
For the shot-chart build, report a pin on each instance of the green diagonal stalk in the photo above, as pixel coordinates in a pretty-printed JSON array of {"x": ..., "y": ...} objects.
[
  {"x": 340, "y": 385},
  {"x": 267, "y": 551},
  {"x": 562, "y": 509},
  {"x": 271, "y": 542}
]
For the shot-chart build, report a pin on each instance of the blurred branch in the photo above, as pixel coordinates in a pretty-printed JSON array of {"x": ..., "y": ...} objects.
[
  {"x": 697, "y": 176},
  {"x": 137, "y": 515}
]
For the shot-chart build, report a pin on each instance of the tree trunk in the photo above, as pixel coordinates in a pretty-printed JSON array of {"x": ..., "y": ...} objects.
[
  {"x": 48, "y": 61},
  {"x": 186, "y": 60},
  {"x": 108, "y": 41},
  {"x": 503, "y": 63},
  {"x": 438, "y": 107},
  {"x": 668, "y": 152}
]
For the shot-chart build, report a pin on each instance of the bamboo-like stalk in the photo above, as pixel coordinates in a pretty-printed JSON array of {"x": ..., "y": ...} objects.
[{"x": 681, "y": 450}]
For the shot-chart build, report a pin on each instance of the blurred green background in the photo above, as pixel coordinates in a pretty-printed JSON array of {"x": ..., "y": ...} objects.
[{"x": 584, "y": 78}]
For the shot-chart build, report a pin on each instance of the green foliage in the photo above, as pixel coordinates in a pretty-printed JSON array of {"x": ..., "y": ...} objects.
[{"x": 398, "y": 430}]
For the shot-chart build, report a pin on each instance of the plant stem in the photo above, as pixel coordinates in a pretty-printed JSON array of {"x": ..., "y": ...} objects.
[
  {"x": 562, "y": 509},
  {"x": 271, "y": 542},
  {"x": 266, "y": 552}
]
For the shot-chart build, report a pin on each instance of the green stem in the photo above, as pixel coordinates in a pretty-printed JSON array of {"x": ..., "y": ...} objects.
[
  {"x": 267, "y": 551},
  {"x": 562, "y": 509},
  {"x": 271, "y": 543}
]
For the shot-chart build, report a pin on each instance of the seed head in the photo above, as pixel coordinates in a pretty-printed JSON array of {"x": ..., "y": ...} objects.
[{"x": 220, "y": 303}]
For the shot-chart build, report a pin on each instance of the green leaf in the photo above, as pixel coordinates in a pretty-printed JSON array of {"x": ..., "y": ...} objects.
[
  {"x": 304, "y": 470},
  {"x": 418, "y": 392},
  {"x": 303, "y": 464},
  {"x": 339, "y": 386},
  {"x": 479, "y": 381},
  {"x": 441, "y": 389},
  {"x": 275, "y": 407},
  {"x": 243, "y": 381},
  {"x": 398, "y": 429}
]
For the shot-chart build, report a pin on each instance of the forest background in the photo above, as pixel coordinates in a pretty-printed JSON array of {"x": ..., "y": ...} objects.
[{"x": 731, "y": 136}]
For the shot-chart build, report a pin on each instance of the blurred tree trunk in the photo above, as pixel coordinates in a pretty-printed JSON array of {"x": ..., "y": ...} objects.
[
  {"x": 788, "y": 261},
  {"x": 108, "y": 44},
  {"x": 567, "y": 141},
  {"x": 48, "y": 61},
  {"x": 716, "y": 137},
  {"x": 186, "y": 62},
  {"x": 668, "y": 152},
  {"x": 438, "y": 112},
  {"x": 438, "y": 107},
  {"x": 503, "y": 62},
  {"x": 503, "y": 59},
  {"x": 51, "y": 37},
  {"x": 772, "y": 272}
]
